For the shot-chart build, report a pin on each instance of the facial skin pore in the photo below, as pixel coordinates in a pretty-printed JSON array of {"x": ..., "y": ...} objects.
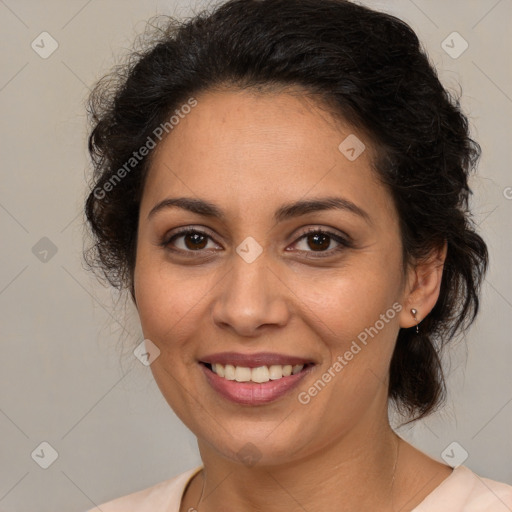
[{"x": 250, "y": 154}]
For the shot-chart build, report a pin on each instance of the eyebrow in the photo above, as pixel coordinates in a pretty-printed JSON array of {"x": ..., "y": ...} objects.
[{"x": 287, "y": 211}]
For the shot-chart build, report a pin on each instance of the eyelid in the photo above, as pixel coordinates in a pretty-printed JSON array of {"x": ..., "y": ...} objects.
[
  {"x": 189, "y": 228},
  {"x": 326, "y": 230},
  {"x": 184, "y": 230},
  {"x": 342, "y": 239}
]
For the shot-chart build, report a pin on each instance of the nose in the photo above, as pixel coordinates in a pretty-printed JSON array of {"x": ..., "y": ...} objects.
[{"x": 251, "y": 299}]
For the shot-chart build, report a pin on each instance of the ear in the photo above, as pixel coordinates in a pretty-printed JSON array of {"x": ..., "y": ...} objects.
[{"x": 423, "y": 283}]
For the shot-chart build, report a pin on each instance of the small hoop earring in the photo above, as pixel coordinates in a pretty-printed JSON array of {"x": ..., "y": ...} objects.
[{"x": 414, "y": 312}]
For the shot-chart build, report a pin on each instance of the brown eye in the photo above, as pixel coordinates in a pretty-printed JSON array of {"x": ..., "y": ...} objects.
[
  {"x": 323, "y": 243},
  {"x": 318, "y": 241},
  {"x": 194, "y": 240},
  {"x": 189, "y": 240}
]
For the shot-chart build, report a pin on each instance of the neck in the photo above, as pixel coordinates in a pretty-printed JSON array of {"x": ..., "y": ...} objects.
[{"x": 336, "y": 477}]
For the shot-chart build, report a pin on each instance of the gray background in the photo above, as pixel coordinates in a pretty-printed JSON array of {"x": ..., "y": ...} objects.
[{"x": 67, "y": 372}]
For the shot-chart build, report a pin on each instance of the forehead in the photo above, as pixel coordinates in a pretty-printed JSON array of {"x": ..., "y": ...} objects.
[{"x": 237, "y": 147}]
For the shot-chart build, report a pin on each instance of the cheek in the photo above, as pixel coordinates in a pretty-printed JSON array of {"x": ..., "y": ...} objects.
[
  {"x": 355, "y": 314},
  {"x": 350, "y": 302},
  {"x": 167, "y": 298},
  {"x": 356, "y": 319},
  {"x": 168, "y": 304}
]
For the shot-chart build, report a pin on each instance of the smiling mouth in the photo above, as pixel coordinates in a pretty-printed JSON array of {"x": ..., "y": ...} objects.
[{"x": 259, "y": 375}]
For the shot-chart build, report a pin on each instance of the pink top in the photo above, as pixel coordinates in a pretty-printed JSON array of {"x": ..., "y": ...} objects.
[{"x": 462, "y": 491}]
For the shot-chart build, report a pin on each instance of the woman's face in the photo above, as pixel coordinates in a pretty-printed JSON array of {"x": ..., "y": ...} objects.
[{"x": 249, "y": 287}]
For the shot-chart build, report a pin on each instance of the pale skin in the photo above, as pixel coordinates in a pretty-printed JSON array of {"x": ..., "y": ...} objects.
[{"x": 249, "y": 154}]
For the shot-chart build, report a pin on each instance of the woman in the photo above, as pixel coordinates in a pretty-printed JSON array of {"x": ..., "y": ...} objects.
[{"x": 282, "y": 186}]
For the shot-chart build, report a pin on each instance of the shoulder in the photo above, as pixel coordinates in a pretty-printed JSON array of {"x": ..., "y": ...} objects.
[
  {"x": 465, "y": 491},
  {"x": 162, "y": 497}
]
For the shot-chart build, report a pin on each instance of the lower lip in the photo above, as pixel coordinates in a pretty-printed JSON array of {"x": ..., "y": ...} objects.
[{"x": 253, "y": 393}]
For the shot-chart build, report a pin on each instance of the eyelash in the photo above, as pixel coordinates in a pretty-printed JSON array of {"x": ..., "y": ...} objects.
[{"x": 343, "y": 243}]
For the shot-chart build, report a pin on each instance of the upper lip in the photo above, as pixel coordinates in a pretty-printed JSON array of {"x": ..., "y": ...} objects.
[{"x": 253, "y": 360}]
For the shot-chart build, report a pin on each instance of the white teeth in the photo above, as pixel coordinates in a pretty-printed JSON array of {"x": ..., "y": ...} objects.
[
  {"x": 259, "y": 374},
  {"x": 287, "y": 370},
  {"x": 242, "y": 374},
  {"x": 275, "y": 372},
  {"x": 229, "y": 372},
  {"x": 218, "y": 369}
]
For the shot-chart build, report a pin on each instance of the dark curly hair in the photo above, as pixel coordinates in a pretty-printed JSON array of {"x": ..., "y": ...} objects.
[{"x": 369, "y": 68}]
